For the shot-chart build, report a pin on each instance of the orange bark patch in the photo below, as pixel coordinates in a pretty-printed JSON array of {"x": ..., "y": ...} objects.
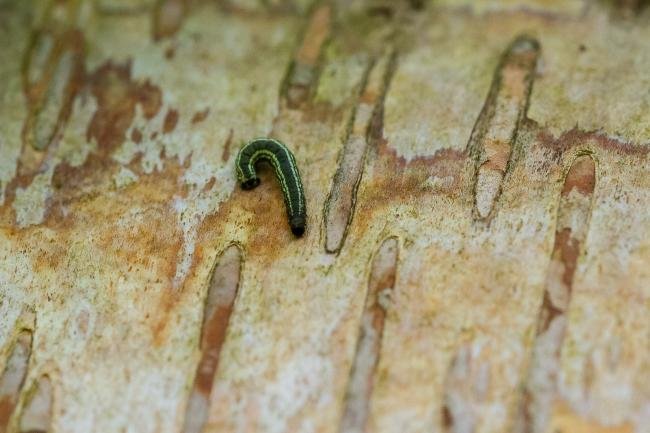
[
  {"x": 263, "y": 211},
  {"x": 147, "y": 241},
  {"x": 50, "y": 255}
]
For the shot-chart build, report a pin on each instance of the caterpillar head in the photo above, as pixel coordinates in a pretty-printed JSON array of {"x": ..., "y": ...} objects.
[
  {"x": 250, "y": 183},
  {"x": 297, "y": 224}
]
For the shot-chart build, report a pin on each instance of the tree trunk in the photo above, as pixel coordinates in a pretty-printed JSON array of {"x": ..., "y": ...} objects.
[{"x": 477, "y": 253}]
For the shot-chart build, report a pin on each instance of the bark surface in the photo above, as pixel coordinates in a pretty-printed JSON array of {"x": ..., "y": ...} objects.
[{"x": 477, "y": 258}]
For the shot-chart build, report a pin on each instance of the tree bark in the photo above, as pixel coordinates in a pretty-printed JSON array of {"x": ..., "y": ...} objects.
[{"x": 477, "y": 253}]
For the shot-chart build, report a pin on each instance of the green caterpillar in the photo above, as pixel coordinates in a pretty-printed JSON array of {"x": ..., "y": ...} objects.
[{"x": 286, "y": 170}]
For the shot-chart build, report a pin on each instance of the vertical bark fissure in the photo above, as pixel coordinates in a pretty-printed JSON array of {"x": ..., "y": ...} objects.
[
  {"x": 380, "y": 287},
  {"x": 366, "y": 126},
  {"x": 571, "y": 231},
  {"x": 219, "y": 303},
  {"x": 303, "y": 71},
  {"x": 466, "y": 388},
  {"x": 36, "y": 416},
  {"x": 495, "y": 131},
  {"x": 13, "y": 377},
  {"x": 53, "y": 72}
]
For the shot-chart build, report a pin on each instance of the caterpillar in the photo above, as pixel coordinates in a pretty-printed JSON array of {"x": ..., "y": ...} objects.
[{"x": 286, "y": 171}]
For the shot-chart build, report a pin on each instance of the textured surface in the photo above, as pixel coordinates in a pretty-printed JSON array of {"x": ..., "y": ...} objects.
[{"x": 484, "y": 196}]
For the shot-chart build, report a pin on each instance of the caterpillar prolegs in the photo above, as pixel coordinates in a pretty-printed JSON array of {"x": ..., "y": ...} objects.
[{"x": 286, "y": 171}]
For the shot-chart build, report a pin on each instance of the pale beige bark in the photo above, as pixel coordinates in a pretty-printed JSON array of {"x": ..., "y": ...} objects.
[{"x": 477, "y": 257}]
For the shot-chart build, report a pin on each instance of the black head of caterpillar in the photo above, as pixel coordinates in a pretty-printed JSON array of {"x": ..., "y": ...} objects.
[{"x": 286, "y": 171}]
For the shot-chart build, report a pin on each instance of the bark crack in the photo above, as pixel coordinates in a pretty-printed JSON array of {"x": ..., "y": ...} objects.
[
  {"x": 571, "y": 231},
  {"x": 219, "y": 303},
  {"x": 495, "y": 132},
  {"x": 366, "y": 127},
  {"x": 381, "y": 285}
]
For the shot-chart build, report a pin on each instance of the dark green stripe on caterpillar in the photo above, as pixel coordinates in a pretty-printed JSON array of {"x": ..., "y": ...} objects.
[{"x": 286, "y": 170}]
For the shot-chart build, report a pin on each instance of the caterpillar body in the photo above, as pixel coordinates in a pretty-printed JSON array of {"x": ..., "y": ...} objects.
[{"x": 286, "y": 171}]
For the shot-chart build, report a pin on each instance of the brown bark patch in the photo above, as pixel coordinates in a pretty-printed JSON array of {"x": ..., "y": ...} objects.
[
  {"x": 168, "y": 17},
  {"x": 117, "y": 96},
  {"x": 225, "y": 155},
  {"x": 210, "y": 184},
  {"x": 581, "y": 177},
  {"x": 200, "y": 116},
  {"x": 576, "y": 138},
  {"x": 136, "y": 136},
  {"x": 565, "y": 252},
  {"x": 397, "y": 179},
  {"x": 171, "y": 120}
]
